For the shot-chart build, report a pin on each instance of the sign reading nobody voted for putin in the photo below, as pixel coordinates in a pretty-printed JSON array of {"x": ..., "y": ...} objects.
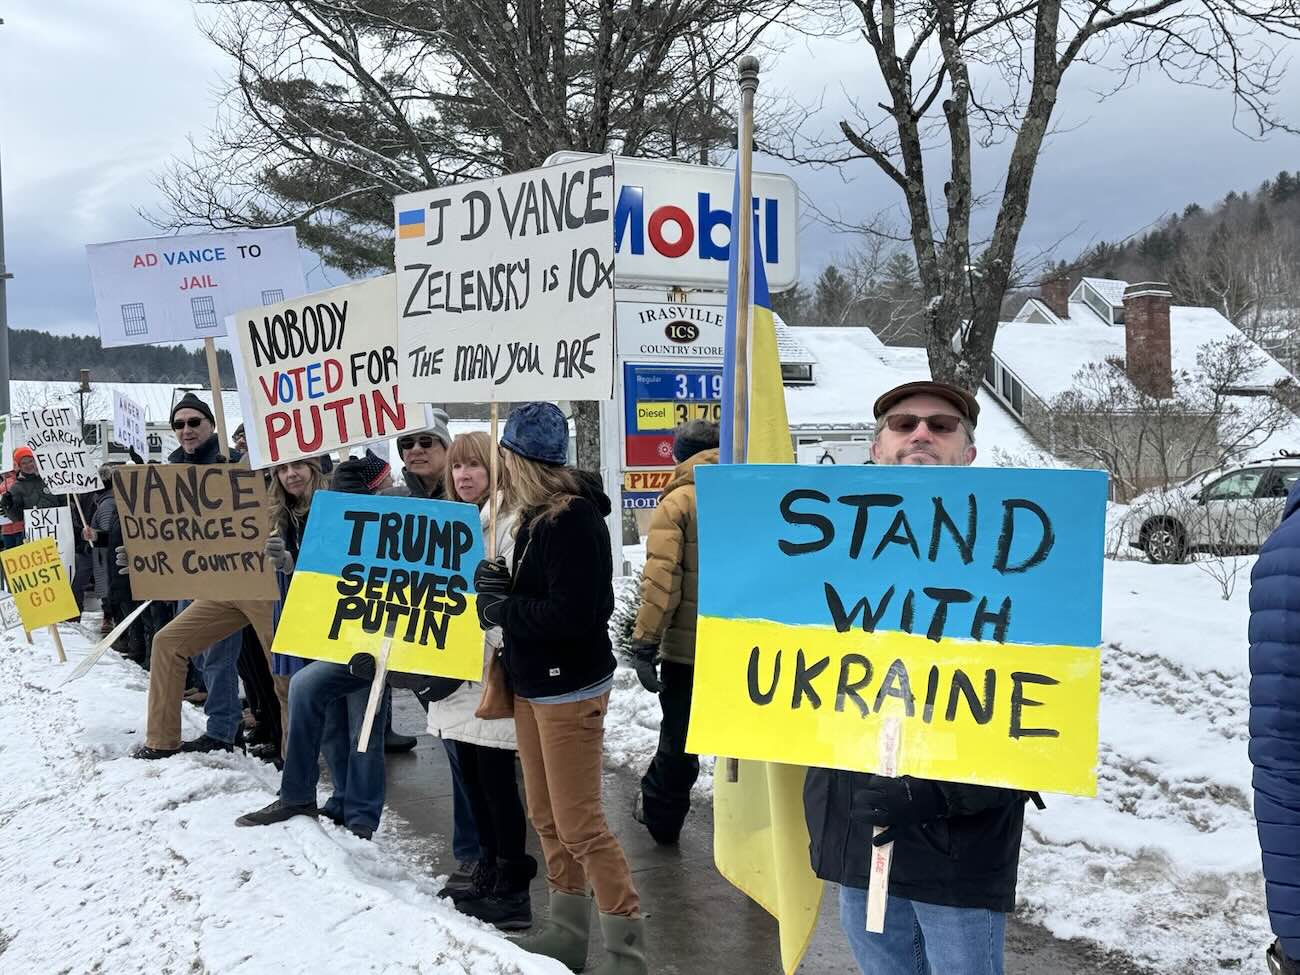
[
  {"x": 195, "y": 532},
  {"x": 39, "y": 583},
  {"x": 379, "y": 568},
  {"x": 967, "y": 601},
  {"x": 505, "y": 287},
  {"x": 320, "y": 373}
]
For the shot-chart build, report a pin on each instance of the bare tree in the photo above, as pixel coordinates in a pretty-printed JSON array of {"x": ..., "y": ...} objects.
[
  {"x": 962, "y": 75},
  {"x": 337, "y": 106}
]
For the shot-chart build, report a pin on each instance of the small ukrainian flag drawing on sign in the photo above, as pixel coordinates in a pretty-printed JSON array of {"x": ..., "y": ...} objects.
[{"x": 410, "y": 223}]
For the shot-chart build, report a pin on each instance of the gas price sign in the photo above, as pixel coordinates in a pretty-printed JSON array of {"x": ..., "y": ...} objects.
[{"x": 658, "y": 399}]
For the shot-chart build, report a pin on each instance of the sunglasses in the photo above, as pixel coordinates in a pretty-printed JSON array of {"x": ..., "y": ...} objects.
[
  {"x": 406, "y": 443},
  {"x": 940, "y": 423},
  {"x": 193, "y": 423}
]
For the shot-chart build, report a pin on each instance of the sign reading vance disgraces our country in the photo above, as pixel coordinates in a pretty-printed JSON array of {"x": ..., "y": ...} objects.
[
  {"x": 381, "y": 568},
  {"x": 966, "y": 601},
  {"x": 505, "y": 287},
  {"x": 195, "y": 532}
]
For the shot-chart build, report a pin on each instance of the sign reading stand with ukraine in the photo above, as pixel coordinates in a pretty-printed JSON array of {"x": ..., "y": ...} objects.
[
  {"x": 376, "y": 569},
  {"x": 965, "y": 601}
]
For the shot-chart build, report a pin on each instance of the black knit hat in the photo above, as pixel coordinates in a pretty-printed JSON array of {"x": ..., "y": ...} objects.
[
  {"x": 692, "y": 437},
  {"x": 191, "y": 402}
]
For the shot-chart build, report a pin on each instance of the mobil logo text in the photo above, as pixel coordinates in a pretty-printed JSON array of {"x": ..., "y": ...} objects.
[{"x": 702, "y": 228}]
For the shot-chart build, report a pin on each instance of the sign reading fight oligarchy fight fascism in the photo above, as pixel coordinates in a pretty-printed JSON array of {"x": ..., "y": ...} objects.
[
  {"x": 38, "y": 580},
  {"x": 195, "y": 532},
  {"x": 376, "y": 569},
  {"x": 320, "y": 373},
  {"x": 172, "y": 289},
  {"x": 966, "y": 601},
  {"x": 506, "y": 287},
  {"x": 54, "y": 435}
]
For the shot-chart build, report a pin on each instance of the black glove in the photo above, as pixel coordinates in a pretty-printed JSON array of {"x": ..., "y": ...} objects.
[
  {"x": 278, "y": 554},
  {"x": 362, "y": 667},
  {"x": 491, "y": 608},
  {"x": 644, "y": 656},
  {"x": 902, "y": 801},
  {"x": 119, "y": 557},
  {"x": 492, "y": 576}
]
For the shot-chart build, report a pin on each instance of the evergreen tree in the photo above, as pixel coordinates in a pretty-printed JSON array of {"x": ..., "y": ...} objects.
[{"x": 833, "y": 297}]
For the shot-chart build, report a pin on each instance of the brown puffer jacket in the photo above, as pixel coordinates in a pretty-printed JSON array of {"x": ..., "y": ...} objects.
[{"x": 670, "y": 588}]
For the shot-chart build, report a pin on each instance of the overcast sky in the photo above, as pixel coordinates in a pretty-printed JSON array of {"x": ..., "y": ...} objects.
[{"x": 94, "y": 96}]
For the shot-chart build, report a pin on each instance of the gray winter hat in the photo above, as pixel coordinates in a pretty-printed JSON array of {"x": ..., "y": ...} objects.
[{"x": 692, "y": 437}]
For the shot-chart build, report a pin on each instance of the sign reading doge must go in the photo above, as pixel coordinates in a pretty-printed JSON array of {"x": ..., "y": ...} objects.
[{"x": 195, "y": 532}]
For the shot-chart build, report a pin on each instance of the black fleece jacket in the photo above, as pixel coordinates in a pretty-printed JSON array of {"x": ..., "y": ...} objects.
[{"x": 556, "y": 619}]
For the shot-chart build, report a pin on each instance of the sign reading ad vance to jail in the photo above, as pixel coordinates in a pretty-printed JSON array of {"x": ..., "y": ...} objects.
[{"x": 506, "y": 287}]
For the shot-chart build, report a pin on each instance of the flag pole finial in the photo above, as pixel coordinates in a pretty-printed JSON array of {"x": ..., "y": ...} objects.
[{"x": 747, "y": 72}]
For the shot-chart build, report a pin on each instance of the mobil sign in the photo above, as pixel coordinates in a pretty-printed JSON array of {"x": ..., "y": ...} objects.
[{"x": 672, "y": 224}]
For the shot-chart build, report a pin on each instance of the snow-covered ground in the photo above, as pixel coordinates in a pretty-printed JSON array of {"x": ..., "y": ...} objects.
[
  {"x": 1164, "y": 864},
  {"x": 114, "y": 865},
  {"x": 120, "y": 866}
]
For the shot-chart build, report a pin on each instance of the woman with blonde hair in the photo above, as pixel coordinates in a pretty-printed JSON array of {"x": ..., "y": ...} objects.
[
  {"x": 553, "y": 601},
  {"x": 484, "y": 750}
]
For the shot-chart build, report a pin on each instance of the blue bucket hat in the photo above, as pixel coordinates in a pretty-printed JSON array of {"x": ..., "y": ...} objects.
[{"x": 539, "y": 432}]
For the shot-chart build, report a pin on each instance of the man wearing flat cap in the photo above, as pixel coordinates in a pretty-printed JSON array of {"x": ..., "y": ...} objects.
[{"x": 956, "y": 847}]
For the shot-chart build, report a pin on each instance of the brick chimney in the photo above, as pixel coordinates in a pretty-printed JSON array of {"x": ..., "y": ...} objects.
[
  {"x": 1148, "y": 359},
  {"x": 1055, "y": 294}
]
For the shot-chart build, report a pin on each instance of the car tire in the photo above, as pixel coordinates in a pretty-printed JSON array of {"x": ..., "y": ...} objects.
[{"x": 1164, "y": 541}]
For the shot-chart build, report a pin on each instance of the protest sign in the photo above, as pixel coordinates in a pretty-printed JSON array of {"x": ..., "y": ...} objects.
[
  {"x": 172, "y": 289},
  {"x": 505, "y": 287},
  {"x": 967, "y": 601},
  {"x": 195, "y": 532},
  {"x": 9, "y": 616},
  {"x": 382, "y": 569},
  {"x": 55, "y": 523},
  {"x": 54, "y": 434},
  {"x": 319, "y": 373},
  {"x": 129, "y": 424},
  {"x": 38, "y": 581}
]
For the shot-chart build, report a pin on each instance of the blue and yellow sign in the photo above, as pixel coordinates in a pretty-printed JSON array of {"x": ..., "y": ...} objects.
[
  {"x": 967, "y": 601},
  {"x": 377, "y": 568}
]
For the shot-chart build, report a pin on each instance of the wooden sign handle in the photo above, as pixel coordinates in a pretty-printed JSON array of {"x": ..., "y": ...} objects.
[
  {"x": 214, "y": 381},
  {"x": 376, "y": 694},
  {"x": 492, "y": 485},
  {"x": 58, "y": 643},
  {"x": 882, "y": 856}
]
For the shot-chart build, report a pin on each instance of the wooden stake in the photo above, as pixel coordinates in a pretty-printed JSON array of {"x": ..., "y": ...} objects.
[
  {"x": 214, "y": 383},
  {"x": 58, "y": 643},
  {"x": 742, "y": 223},
  {"x": 492, "y": 485},
  {"x": 376, "y": 694},
  {"x": 881, "y": 856}
]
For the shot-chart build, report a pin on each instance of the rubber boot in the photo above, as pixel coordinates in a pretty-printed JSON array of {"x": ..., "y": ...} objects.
[
  {"x": 624, "y": 946},
  {"x": 565, "y": 933}
]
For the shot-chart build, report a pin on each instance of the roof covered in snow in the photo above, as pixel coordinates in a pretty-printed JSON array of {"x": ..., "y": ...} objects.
[{"x": 1109, "y": 288}]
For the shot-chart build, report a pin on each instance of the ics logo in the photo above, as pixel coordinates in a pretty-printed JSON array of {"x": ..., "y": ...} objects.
[{"x": 682, "y": 332}]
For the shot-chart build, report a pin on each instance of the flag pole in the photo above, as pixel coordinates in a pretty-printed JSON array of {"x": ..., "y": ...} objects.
[{"x": 742, "y": 224}]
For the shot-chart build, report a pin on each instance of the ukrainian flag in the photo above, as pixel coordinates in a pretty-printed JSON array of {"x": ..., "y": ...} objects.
[
  {"x": 410, "y": 223},
  {"x": 760, "y": 840}
]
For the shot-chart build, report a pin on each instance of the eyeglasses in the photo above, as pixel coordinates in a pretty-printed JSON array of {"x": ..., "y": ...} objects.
[
  {"x": 193, "y": 423},
  {"x": 406, "y": 443},
  {"x": 940, "y": 423}
]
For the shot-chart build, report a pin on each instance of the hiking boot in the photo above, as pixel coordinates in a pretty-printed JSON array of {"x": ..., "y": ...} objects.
[
  {"x": 206, "y": 743},
  {"x": 461, "y": 879},
  {"x": 1278, "y": 962},
  {"x": 658, "y": 835},
  {"x": 152, "y": 754},
  {"x": 277, "y": 812},
  {"x": 393, "y": 742},
  {"x": 361, "y": 832},
  {"x": 481, "y": 883},
  {"x": 565, "y": 933},
  {"x": 509, "y": 905},
  {"x": 624, "y": 946}
]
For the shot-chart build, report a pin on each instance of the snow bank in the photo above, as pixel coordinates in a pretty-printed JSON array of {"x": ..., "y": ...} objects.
[
  {"x": 116, "y": 865},
  {"x": 1164, "y": 864}
]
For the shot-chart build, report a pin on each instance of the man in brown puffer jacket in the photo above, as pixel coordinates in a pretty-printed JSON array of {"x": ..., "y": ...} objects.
[{"x": 665, "y": 632}]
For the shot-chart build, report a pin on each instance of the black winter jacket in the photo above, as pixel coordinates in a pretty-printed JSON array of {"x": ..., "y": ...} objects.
[
  {"x": 556, "y": 619},
  {"x": 27, "y": 492},
  {"x": 209, "y": 452},
  {"x": 970, "y": 858}
]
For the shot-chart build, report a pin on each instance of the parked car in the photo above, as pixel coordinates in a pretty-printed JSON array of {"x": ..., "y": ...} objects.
[{"x": 1224, "y": 510}]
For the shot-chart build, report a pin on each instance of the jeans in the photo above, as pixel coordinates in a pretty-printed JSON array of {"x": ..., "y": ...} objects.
[
  {"x": 219, "y": 668},
  {"x": 923, "y": 939},
  {"x": 666, "y": 785},
  {"x": 465, "y": 843},
  {"x": 326, "y": 708}
]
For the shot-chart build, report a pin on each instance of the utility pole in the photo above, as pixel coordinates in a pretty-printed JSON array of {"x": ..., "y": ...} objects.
[{"x": 4, "y": 311}]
